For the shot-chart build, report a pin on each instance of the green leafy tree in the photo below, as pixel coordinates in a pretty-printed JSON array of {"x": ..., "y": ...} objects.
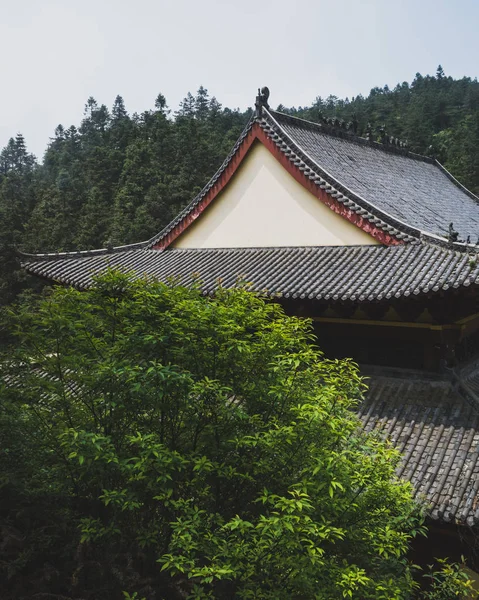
[{"x": 170, "y": 445}]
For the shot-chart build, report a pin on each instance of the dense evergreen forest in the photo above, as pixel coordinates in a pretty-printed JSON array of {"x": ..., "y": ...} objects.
[{"x": 119, "y": 178}]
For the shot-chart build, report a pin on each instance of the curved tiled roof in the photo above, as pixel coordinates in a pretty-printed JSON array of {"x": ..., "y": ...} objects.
[
  {"x": 415, "y": 190},
  {"x": 437, "y": 432},
  {"x": 405, "y": 195},
  {"x": 398, "y": 197},
  {"x": 267, "y": 127},
  {"x": 328, "y": 273}
]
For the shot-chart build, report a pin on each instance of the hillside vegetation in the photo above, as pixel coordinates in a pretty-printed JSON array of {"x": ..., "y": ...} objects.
[{"x": 119, "y": 178}]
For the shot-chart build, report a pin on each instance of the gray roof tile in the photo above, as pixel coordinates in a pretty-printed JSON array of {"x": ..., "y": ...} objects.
[
  {"x": 437, "y": 432},
  {"x": 332, "y": 272},
  {"x": 413, "y": 189}
]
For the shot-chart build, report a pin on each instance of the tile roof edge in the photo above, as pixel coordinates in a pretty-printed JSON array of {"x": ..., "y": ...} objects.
[
  {"x": 77, "y": 272},
  {"x": 31, "y": 259},
  {"x": 456, "y": 182},
  {"x": 397, "y": 223}
]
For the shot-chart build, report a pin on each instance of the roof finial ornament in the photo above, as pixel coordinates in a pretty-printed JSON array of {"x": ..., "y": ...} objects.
[
  {"x": 452, "y": 233},
  {"x": 383, "y": 134},
  {"x": 261, "y": 100},
  {"x": 265, "y": 96}
]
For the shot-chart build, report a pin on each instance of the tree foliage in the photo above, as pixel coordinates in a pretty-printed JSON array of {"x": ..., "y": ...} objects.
[{"x": 168, "y": 445}]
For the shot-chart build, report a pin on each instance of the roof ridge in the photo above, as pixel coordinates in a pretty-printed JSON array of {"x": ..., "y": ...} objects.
[
  {"x": 423, "y": 242},
  {"x": 81, "y": 253},
  {"x": 52, "y": 256},
  {"x": 352, "y": 137},
  {"x": 279, "y": 248}
]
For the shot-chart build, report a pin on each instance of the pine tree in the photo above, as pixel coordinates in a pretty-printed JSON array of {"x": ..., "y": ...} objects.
[
  {"x": 17, "y": 200},
  {"x": 118, "y": 111},
  {"x": 201, "y": 103},
  {"x": 187, "y": 106},
  {"x": 161, "y": 105}
]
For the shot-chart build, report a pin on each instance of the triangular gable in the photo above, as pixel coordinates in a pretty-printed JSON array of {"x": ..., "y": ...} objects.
[
  {"x": 263, "y": 205},
  {"x": 381, "y": 227}
]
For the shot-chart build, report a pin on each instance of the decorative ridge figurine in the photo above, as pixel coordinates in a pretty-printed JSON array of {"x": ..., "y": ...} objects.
[
  {"x": 261, "y": 100},
  {"x": 336, "y": 126},
  {"x": 453, "y": 235}
]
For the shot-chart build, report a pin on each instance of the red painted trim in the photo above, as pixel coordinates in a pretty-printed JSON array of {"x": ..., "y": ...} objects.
[{"x": 256, "y": 133}]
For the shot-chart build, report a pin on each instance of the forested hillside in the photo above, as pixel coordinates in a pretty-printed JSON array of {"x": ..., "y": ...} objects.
[{"x": 118, "y": 178}]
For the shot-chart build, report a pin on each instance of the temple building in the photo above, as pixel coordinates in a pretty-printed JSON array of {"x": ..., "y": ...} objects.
[{"x": 376, "y": 245}]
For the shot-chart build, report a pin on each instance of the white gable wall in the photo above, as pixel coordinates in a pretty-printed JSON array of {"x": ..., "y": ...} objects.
[{"x": 263, "y": 206}]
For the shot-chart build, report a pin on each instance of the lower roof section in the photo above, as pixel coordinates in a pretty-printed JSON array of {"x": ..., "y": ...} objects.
[
  {"x": 323, "y": 273},
  {"x": 437, "y": 431}
]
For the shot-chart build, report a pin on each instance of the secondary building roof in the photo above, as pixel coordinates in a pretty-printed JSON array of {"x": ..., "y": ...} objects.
[{"x": 436, "y": 429}]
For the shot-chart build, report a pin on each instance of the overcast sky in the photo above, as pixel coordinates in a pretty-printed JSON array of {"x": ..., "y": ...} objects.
[{"x": 57, "y": 53}]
